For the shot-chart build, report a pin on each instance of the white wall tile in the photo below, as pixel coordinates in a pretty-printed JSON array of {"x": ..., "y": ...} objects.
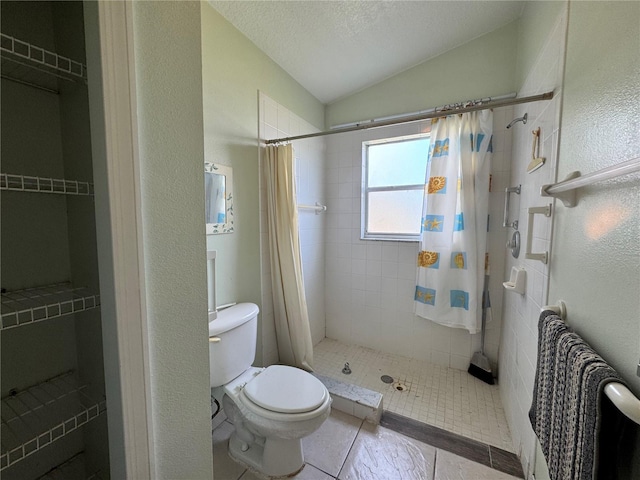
[
  {"x": 313, "y": 177},
  {"x": 388, "y": 269},
  {"x": 518, "y": 345}
]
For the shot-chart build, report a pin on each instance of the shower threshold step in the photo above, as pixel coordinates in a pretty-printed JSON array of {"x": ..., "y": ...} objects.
[{"x": 354, "y": 400}]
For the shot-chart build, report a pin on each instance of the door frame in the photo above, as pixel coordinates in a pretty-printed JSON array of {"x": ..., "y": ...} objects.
[{"x": 112, "y": 94}]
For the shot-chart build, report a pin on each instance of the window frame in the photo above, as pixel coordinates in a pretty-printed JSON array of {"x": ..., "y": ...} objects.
[{"x": 365, "y": 190}]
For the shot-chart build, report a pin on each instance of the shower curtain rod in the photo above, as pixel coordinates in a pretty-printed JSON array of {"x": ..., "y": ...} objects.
[{"x": 438, "y": 112}]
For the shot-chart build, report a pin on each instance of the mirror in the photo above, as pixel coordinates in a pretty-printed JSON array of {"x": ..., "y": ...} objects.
[{"x": 218, "y": 194}]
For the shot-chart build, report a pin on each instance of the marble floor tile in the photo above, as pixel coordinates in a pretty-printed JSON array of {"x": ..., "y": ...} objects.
[
  {"x": 381, "y": 454},
  {"x": 453, "y": 467},
  {"x": 224, "y": 467},
  {"x": 218, "y": 420},
  {"x": 309, "y": 472},
  {"x": 328, "y": 447},
  {"x": 347, "y": 448}
]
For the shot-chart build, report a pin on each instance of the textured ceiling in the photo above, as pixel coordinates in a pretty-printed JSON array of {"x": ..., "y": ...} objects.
[{"x": 335, "y": 48}]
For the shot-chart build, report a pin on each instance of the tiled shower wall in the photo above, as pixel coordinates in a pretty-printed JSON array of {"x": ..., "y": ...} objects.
[
  {"x": 370, "y": 284},
  {"x": 277, "y": 122},
  {"x": 518, "y": 351}
]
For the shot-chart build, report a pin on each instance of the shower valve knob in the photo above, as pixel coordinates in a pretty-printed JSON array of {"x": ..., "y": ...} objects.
[{"x": 514, "y": 244}]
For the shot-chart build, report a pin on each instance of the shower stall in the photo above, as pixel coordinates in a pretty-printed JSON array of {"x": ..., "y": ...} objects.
[{"x": 361, "y": 292}]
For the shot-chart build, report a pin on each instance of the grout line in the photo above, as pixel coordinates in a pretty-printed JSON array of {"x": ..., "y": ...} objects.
[
  {"x": 350, "y": 447},
  {"x": 435, "y": 461},
  {"x": 318, "y": 468},
  {"x": 490, "y": 457}
]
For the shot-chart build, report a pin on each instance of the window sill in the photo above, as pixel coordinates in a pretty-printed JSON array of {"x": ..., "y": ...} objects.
[{"x": 390, "y": 239}]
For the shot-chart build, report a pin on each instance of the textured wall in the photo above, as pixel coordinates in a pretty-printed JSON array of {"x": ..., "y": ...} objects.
[
  {"x": 488, "y": 60},
  {"x": 167, "y": 44},
  {"x": 600, "y": 127}
]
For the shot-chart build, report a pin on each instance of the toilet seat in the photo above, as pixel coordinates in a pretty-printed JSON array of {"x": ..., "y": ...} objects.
[{"x": 286, "y": 390}]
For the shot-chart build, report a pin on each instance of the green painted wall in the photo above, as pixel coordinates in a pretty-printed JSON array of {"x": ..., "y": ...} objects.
[
  {"x": 480, "y": 68},
  {"x": 233, "y": 70},
  {"x": 169, "y": 95},
  {"x": 600, "y": 235},
  {"x": 535, "y": 24}
]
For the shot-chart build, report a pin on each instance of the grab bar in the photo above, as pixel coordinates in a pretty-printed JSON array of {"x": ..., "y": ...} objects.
[
  {"x": 543, "y": 256},
  {"x": 507, "y": 193},
  {"x": 619, "y": 394},
  {"x": 565, "y": 190}
]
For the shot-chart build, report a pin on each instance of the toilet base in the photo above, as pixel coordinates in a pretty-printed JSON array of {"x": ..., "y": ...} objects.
[{"x": 277, "y": 458}]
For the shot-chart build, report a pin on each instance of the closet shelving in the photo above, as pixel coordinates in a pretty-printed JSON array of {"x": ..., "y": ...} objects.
[
  {"x": 31, "y": 305},
  {"x": 53, "y": 424},
  {"x": 23, "y": 183},
  {"x": 27, "y": 63},
  {"x": 40, "y": 415},
  {"x": 71, "y": 469}
]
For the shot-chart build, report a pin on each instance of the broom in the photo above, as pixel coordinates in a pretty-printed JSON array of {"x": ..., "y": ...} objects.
[{"x": 480, "y": 366}]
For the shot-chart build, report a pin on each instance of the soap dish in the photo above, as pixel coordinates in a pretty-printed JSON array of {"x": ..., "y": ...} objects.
[{"x": 517, "y": 281}]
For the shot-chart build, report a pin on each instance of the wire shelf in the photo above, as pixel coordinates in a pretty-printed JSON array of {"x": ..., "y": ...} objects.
[
  {"x": 32, "y": 56},
  {"x": 22, "y": 183},
  {"x": 74, "y": 468},
  {"x": 100, "y": 476},
  {"x": 23, "y": 307},
  {"x": 40, "y": 415}
]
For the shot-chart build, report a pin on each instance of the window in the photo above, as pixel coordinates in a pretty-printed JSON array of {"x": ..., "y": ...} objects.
[{"x": 393, "y": 176}]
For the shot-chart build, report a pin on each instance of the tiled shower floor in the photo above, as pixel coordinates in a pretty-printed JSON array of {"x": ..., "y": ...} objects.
[{"x": 443, "y": 397}]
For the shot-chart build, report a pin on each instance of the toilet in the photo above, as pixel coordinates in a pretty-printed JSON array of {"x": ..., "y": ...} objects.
[{"x": 272, "y": 409}]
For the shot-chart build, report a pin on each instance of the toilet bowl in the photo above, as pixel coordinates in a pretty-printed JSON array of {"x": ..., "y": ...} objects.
[
  {"x": 271, "y": 413},
  {"x": 272, "y": 409}
]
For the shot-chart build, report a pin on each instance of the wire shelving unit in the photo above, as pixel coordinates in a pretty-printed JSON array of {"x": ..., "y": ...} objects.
[
  {"x": 25, "y": 63},
  {"x": 75, "y": 467},
  {"x": 31, "y": 305},
  {"x": 23, "y": 183},
  {"x": 36, "y": 417}
]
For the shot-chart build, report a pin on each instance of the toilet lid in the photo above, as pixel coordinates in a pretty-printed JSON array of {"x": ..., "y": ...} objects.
[{"x": 286, "y": 390}]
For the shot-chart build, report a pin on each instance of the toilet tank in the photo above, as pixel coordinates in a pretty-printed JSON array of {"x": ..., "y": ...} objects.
[{"x": 236, "y": 327}]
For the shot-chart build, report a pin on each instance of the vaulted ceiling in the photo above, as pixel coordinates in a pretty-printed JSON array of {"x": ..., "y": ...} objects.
[{"x": 336, "y": 48}]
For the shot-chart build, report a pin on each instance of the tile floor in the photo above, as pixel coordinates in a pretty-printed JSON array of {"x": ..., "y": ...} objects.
[
  {"x": 348, "y": 448},
  {"x": 443, "y": 397}
]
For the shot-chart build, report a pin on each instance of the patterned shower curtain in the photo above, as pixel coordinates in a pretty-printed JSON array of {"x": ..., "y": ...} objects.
[{"x": 455, "y": 217}]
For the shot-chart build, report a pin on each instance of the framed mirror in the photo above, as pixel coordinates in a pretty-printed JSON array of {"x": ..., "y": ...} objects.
[{"x": 218, "y": 194}]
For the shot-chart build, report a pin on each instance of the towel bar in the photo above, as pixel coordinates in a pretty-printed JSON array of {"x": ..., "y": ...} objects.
[
  {"x": 560, "y": 309},
  {"x": 620, "y": 395},
  {"x": 317, "y": 207},
  {"x": 624, "y": 400}
]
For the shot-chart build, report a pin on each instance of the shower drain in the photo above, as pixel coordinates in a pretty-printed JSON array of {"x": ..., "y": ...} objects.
[
  {"x": 386, "y": 379},
  {"x": 399, "y": 386}
]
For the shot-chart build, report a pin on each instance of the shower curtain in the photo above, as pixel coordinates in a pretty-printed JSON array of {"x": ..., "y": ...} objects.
[
  {"x": 455, "y": 218},
  {"x": 293, "y": 332}
]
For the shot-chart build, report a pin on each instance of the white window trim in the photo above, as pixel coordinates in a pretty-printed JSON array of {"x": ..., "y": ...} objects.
[{"x": 392, "y": 237}]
